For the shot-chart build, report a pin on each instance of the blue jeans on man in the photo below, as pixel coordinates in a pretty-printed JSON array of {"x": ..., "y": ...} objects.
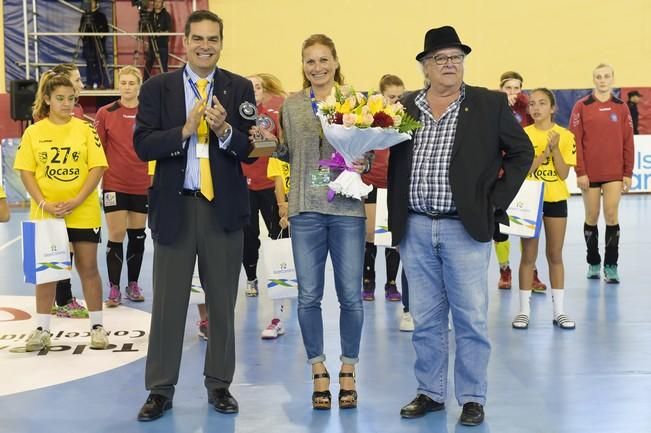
[
  {"x": 447, "y": 271},
  {"x": 313, "y": 236}
]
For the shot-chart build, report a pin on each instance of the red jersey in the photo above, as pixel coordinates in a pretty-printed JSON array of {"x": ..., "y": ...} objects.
[
  {"x": 126, "y": 173},
  {"x": 604, "y": 139},
  {"x": 379, "y": 170},
  {"x": 520, "y": 110},
  {"x": 78, "y": 111},
  {"x": 256, "y": 173}
]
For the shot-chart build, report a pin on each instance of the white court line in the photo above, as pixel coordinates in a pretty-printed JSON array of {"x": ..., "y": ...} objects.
[{"x": 13, "y": 241}]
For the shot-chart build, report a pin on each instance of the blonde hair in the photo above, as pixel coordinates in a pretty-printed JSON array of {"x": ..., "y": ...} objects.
[
  {"x": 131, "y": 70},
  {"x": 65, "y": 69},
  {"x": 50, "y": 81},
  {"x": 270, "y": 84},
  {"x": 604, "y": 65}
]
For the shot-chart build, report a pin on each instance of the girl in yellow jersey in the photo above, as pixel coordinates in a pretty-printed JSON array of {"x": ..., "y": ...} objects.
[
  {"x": 61, "y": 161},
  {"x": 278, "y": 171},
  {"x": 555, "y": 151}
]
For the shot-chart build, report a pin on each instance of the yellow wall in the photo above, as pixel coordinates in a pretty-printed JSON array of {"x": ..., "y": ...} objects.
[
  {"x": 553, "y": 43},
  {"x": 556, "y": 47}
]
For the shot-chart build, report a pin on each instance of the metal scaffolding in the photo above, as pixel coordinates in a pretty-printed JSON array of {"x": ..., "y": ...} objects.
[{"x": 35, "y": 34}]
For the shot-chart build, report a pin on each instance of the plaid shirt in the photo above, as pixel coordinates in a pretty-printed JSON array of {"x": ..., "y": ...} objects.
[{"x": 429, "y": 186}]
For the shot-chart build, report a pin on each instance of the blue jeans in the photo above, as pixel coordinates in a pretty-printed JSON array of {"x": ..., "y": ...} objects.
[
  {"x": 313, "y": 236},
  {"x": 447, "y": 271}
]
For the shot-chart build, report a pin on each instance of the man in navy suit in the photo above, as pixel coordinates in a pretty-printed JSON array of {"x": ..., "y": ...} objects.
[
  {"x": 189, "y": 122},
  {"x": 444, "y": 198}
]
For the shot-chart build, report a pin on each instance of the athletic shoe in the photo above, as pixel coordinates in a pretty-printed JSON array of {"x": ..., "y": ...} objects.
[
  {"x": 610, "y": 274},
  {"x": 73, "y": 310},
  {"x": 115, "y": 297},
  {"x": 98, "y": 337},
  {"x": 203, "y": 329},
  {"x": 38, "y": 340},
  {"x": 537, "y": 286},
  {"x": 505, "y": 279},
  {"x": 368, "y": 290},
  {"x": 406, "y": 322},
  {"x": 274, "y": 330},
  {"x": 134, "y": 292},
  {"x": 251, "y": 288},
  {"x": 391, "y": 292},
  {"x": 594, "y": 272}
]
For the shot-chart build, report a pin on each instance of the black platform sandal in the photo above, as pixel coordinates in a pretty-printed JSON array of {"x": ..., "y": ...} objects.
[
  {"x": 347, "y": 397},
  {"x": 321, "y": 400}
]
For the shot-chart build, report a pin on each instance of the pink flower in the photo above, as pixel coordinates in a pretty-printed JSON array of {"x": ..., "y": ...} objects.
[{"x": 349, "y": 120}]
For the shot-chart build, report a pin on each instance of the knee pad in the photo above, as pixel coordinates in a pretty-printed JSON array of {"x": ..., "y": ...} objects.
[{"x": 136, "y": 240}]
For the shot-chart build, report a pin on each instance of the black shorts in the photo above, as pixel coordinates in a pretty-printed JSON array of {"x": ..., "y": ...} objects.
[
  {"x": 600, "y": 184},
  {"x": 555, "y": 209},
  {"x": 85, "y": 235},
  {"x": 372, "y": 196},
  {"x": 114, "y": 201}
]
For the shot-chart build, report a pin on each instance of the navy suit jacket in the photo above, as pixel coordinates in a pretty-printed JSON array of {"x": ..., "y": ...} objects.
[
  {"x": 488, "y": 138},
  {"x": 157, "y": 136}
]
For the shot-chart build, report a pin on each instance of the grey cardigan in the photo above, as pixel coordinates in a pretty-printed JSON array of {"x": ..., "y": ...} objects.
[{"x": 301, "y": 131}]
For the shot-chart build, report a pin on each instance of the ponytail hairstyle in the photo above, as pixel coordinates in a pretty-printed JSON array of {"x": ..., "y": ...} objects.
[
  {"x": 327, "y": 42},
  {"x": 390, "y": 80},
  {"x": 50, "y": 81},
  {"x": 131, "y": 70},
  {"x": 549, "y": 94},
  {"x": 271, "y": 84}
]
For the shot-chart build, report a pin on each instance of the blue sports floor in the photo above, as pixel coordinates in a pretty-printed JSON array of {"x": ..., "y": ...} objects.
[{"x": 595, "y": 379}]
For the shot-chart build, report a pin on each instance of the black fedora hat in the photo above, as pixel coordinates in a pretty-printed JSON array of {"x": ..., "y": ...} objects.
[{"x": 442, "y": 37}]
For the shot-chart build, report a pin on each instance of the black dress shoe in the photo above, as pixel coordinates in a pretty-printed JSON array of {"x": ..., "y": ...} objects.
[
  {"x": 223, "y": 401},
  {"x": 472, "y": 414},
  {"x": 154, "y": 407},
  {"x": 420, "y": 406}
]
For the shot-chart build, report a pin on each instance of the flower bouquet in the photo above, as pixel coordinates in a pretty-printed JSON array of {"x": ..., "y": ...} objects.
[{"x": 355, "y": 125}]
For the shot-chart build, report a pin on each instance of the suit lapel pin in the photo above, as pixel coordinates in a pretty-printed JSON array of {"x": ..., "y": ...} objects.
[
  {"x": 465, "y": 109},
  {"x": 224, "y": 92}
]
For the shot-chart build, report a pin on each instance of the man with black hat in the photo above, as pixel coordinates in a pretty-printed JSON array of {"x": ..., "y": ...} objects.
[
  {"x": 445, "y": 200},
  {"x": 633, "y": 100}
]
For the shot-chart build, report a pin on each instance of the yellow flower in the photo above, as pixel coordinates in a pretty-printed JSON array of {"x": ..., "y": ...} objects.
[
  {"x": 344, "y": 108},
  {"x": 375, "y": 103}
]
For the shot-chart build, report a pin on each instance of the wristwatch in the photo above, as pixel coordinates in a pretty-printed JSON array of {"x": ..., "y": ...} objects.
[{"x": 227, "y": 131}]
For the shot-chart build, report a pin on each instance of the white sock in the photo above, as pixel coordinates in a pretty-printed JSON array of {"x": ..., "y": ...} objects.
[
  {"x": 557, "y": 301},
  {"x": 43, "y": 321},
  {"x": 525, "y": 307},
  {"x": 95, "y": 318}
]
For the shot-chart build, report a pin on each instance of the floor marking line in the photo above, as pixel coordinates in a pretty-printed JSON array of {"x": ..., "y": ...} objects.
[{"x": 13, "y": 241}]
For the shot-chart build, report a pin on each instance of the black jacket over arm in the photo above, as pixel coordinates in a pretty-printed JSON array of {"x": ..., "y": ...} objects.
[
  {"x": 488, "y": 138},
  {"x": 160, "y": 119}
]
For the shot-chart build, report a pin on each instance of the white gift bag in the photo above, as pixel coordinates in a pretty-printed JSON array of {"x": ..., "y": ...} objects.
[
  {"x": 382, "y": 233},
  {"x": 46, "y": 251},
  {"x": 278, "y": 271},
  {"x": 525, "y": 211}
]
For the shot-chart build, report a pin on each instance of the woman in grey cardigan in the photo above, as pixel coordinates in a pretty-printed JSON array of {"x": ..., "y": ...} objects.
[{"x": 319, "y": 226}]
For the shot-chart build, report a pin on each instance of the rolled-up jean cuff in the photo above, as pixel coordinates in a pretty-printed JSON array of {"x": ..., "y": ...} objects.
[
  {"x": 346, "y": 360},
  {"x": 316, "y": 359}
]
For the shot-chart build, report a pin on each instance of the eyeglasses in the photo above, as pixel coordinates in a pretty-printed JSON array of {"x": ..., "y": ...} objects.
[{"x": 442, "y": 59}]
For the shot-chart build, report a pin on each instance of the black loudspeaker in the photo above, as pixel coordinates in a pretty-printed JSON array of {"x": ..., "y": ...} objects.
[{"x": 22, "y": 93}]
